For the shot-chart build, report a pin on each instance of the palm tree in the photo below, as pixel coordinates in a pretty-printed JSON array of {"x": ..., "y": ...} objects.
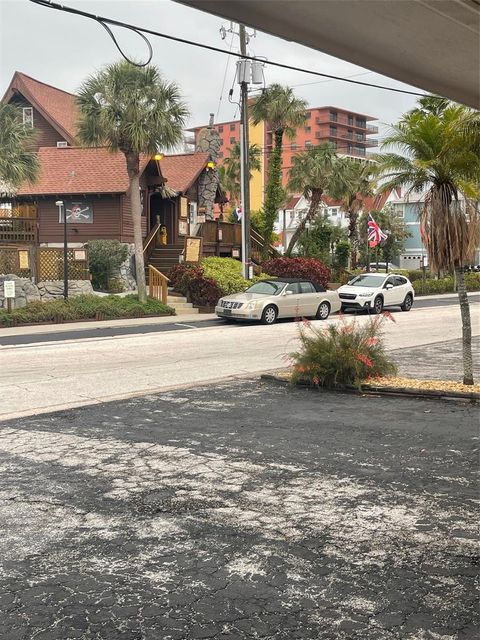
[
  {"x": 313, "y": 173},
  {"x": 230, "y": 168},
  {"x": 133, "y": 110},
  {"x": 283, "y": 113},
  {"x": 18, "y": 163},
  {"x": 355, "y": 183},
  {"x": 443, "y": 161}
]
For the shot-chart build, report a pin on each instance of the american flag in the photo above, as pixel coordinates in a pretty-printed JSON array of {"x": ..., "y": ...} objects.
[{"x": 375, "y": 234}]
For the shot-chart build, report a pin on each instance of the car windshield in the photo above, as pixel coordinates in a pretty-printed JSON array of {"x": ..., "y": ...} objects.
[
  {"x": 367, "y": 280},
  {"x": 266, "y": 287}
]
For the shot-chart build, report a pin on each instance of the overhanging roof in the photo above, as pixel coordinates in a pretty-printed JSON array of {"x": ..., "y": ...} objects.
[{"x": 430, "y": 44}]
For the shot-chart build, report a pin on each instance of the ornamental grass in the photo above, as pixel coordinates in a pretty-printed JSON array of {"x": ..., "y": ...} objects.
[{"x": 341, "y": 354}]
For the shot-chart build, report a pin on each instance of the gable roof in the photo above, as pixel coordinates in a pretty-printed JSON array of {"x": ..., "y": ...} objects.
[
  {"x": 79, "y": 170},
  {"x": 56, "y": 106},
  {"x": 182, "y": 170}
]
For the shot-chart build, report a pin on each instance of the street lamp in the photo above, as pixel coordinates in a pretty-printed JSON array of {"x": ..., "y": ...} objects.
[{"x": 60, "y": 205}]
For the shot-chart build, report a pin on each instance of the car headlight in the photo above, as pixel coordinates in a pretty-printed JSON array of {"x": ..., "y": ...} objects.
[
  {"x": 366, "y": 294},
  {"x": 251, "y": 305}
]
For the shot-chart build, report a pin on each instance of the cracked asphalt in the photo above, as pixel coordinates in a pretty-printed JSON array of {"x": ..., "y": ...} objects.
[{"x": 241, "y": 510}]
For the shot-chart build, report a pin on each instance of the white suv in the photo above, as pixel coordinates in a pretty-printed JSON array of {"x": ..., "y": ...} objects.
[{"x": 374, "y": 291}]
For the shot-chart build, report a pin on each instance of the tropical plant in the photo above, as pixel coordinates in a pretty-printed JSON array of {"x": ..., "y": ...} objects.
[
  {"x": 344, "y": 353},
  {"x": 136, "y": 111},
  {"x": 308, "y": 268},
  {"x": 18, "y": 163},
  {"x": 230, "y": 170},
  {"x": 442, "y": 161},
  {"x": 355, "y": 182},
  {"x": 342, "y": 253},
  {"x": 278, "y": 107},
  {"x": 104, "y": 260},
  {"x": 314, "y": 172}
]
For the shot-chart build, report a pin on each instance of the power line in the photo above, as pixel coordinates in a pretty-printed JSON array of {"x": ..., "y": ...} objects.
[{"x": 142, "y": 30}]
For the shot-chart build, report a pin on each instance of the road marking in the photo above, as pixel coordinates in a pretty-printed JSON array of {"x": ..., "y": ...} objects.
[{"x": 190, "y": 326}]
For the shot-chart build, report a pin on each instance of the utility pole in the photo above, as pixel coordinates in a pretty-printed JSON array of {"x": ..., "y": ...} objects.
[{"x": 244, "y": 159}]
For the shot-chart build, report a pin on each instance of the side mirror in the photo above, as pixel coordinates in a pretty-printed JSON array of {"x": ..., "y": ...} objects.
[
  {"x": 288, "y": 293},
  {"x": 389, "y": 286}
]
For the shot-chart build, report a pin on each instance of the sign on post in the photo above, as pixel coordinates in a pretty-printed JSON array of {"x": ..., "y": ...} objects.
[
  {"x": 193, "y": 249},
  {"x": 9, "y": 288}
]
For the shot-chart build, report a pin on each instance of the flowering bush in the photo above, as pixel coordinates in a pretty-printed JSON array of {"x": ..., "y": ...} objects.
[
  {"x": 191, "y": 281},
  {"x": 347, "y": 353},
  {"x": 308, "y": 268}
]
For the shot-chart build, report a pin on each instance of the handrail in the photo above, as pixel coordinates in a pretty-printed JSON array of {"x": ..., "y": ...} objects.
[
  {"x": 150, "y": 237},
  {"x": 157, "y": 284}
]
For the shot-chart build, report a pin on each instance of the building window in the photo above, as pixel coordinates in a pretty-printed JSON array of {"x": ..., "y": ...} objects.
[
  {"x": 232, "y": 126},
  {"x": 399, "y": 210},
  {"x": 308, "y": 129},
  {"x": 361, "y": 123},
  {"x": 333, "y": 116},
  {"x": 350, "y": 119},
  {"x": 350, "y": 134},
  {"x": 359, "y": 137},
  {"x": 308, "y": 144},
  {"x": 333, "y": 211},
  {"x": 308, "y": 115},
  {"x": 333, "y": 131},
  {"x": 220, "y": 154},
  {"x": 293, "y": 146},
  {"x": 232, "y": 140},
  {"x": 220, "y": 128},
  {"x": 28, "y": 117}
]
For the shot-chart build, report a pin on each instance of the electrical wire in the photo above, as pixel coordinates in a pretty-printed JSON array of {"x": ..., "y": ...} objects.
[
  {"x": 142, "y": 30},
  {"x": 224, "y": 77}
]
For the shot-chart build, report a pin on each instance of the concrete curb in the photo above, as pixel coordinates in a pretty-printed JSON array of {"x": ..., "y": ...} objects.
[{"x": 396, "y": 391}]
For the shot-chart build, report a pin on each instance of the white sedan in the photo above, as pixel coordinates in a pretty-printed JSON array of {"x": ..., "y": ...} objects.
[
  {"x": 268, "y": 300},
  {"x": 374, "y": 291}
]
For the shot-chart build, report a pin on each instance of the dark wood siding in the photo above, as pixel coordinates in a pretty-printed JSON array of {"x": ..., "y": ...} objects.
[
  {"x": 47, "y": 136},
  {"x": 127, "y": 221},
  {"x": 106, "y": 221}
]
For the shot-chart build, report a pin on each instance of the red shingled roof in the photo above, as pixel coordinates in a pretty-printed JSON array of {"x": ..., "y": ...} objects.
[
  {"x": 76, "y": 170},
  {"x": 181, "y": 171},
  {"x": 56, "y": 106}
]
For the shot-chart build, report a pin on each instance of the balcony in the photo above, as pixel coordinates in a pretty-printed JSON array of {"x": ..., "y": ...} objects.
[
  {"x": 371, "y": 129},
  {"x": 18, "y": 230},
  {"x": 371, "y": 142}
]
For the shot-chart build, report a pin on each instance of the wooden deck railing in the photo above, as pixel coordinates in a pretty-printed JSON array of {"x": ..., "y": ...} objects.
[
  {"x": 151, "y": 240},
  {"x": 22, "y": 230},
  {"x": 223, "y": 232},
  {"x": 157, "y": 284}
]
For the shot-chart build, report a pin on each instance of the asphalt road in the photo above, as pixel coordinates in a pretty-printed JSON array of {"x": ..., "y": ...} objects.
[
  {"x": 42, "y": 377},
  {"x": 110, "y": 332},
  {"x": 241, "y": 511}
]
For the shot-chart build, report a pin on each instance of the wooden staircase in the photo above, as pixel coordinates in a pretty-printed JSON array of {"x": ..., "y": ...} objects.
[{"x": 164, "y": 257}]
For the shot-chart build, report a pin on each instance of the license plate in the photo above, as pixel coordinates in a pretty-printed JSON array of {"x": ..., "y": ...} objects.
[{"x": 227, "y": 312}]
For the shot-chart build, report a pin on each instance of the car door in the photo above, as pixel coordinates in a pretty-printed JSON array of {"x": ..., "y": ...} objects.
[
  {"x": 289, "y": 304},
  {"x": 401, "y": 289},
  {"x": 308, "y": 299},
  {"x": 389, "y": 292}
]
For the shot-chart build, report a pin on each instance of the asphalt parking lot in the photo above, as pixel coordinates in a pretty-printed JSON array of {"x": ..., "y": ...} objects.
[{"x": 245, "y": 510}]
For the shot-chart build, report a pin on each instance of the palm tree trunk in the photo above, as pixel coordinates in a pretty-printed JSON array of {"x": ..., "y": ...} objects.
[
  {"x": 274, "y": 192},
  {"x": 466, "y": 327},
  {"x": 312, "y": 212},
  {"x": 353, "y": 237},
  {"x": 133, "y": 168}
]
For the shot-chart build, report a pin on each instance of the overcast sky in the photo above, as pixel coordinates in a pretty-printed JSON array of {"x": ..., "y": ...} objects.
[{"x": 62, "y": 50}]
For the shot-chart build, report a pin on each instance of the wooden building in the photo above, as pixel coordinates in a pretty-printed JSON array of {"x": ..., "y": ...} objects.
[{"x": 93, "y": 183}]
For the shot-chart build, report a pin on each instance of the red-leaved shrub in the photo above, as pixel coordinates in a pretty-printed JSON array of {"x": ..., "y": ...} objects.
[
  {"x": 190, "y": 281},
  {"x": 308, "y": 268}
]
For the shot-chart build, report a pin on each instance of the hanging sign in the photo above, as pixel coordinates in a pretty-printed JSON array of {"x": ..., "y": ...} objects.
[
  {"x": 193, "y": 249},
  {"x": 184, "y": 208},
  {"x": 23, "y": 259},
  {"x": 9, "y": 288}
]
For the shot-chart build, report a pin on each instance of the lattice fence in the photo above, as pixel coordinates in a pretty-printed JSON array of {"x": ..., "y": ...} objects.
[
  {"x": 50, "y": 265},
  {"x": 10, "y": 262}
]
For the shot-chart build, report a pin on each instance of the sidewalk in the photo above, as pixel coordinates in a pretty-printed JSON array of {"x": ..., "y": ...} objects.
[{"x": 104, "y": 324}]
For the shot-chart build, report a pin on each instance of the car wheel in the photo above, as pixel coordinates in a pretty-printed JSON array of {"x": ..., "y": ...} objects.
[
  {"x": 269, "y": 314},
  {"x": 323, "y": 311},
  {"x": 407, "y": 303},
  {"x": 378, "y": 305}
]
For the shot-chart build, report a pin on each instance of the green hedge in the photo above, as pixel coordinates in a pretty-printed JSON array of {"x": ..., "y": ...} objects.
[
  {"x": 227, "y": 273},
  {"x": 85, "y": 307},
  {"x": 445, "y": 285}
]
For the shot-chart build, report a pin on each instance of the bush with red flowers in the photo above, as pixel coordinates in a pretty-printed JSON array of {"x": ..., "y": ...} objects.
[{"x": 308, "y": 268}]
